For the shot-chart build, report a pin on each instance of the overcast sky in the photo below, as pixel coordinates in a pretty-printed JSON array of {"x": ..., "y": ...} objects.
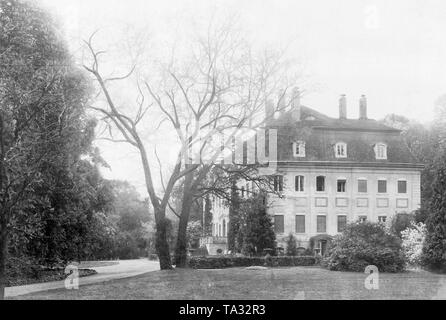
[{"x": 392, "y": 51}]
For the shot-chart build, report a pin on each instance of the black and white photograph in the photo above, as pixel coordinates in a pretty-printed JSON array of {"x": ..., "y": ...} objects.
[{"x": 221, "y": 154}]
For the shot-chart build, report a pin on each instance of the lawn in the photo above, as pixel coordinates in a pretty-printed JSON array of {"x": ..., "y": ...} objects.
[{"x": 242, "y": 284}]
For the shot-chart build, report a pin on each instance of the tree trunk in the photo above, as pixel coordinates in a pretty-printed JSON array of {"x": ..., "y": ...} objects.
[
  {"x": 186, "y": 205},
  {"x": 181, "y": 247},
  {"x": 3, "y": 256},
  {"x": 162, "y": 244}
]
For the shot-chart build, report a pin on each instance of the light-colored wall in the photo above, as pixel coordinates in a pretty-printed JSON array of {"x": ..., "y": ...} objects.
[
  {"x": 349, "y": 203},
  {"x": 304, "y": 203}
]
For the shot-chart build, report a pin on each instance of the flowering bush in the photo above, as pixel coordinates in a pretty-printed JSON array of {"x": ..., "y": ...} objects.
[{"x": 413, "y": 239}]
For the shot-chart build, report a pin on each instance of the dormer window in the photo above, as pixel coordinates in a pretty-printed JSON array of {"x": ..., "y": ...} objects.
[
  {"x": 299, "y": 149},
  {"x": 341, "y": 150},
  {"x": 381, "y": 151}
]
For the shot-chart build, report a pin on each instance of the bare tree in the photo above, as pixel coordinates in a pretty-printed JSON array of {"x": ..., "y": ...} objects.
[{"x": 208, "y": 97}]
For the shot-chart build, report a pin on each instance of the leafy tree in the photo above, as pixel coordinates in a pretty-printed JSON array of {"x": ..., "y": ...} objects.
[
  {"x": 291, "y": 245},
  {"x": 43, "y": 133},
  {"x": 131, "y": 219}
]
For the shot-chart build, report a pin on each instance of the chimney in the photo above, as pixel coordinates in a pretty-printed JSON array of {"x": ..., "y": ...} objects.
[
  {"x": 343, "y": 107},
  {"x": 269, "y": 111},
  {"x": 295, "y": 104},
  {"x": 363, "y": 108}
]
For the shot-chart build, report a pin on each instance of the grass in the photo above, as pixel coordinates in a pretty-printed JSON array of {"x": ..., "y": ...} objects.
[{"x": 242, "y": 284}]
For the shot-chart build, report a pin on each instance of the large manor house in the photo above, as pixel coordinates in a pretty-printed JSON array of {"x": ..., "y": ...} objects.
[{"x": 331, "y": 171}]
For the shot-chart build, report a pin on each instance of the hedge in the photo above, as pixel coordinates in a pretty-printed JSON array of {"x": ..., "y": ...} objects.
[{"x": 230, "y": 262}]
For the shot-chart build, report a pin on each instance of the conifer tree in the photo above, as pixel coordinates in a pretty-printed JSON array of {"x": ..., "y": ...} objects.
[
  {"x": 291, "y": 245},
  {"x": 258, "y": 232}
]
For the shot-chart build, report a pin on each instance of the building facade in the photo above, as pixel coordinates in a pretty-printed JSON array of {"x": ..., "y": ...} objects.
[{"x": 331, "y": 171}]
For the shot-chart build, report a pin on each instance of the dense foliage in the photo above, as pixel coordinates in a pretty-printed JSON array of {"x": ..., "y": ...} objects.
[
  {"x": 434, "y": 251},
  {"x": 363, "y": 244},
  {"x": 257, "y": 228},
  {"x": 428, "y": 144},
  {"x": 55, "y": 205}
]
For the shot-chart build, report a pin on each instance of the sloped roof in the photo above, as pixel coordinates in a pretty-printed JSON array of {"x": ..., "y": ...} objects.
[
  {"x": 320, "y": 134},
  {"x": 315, "y": 119}
]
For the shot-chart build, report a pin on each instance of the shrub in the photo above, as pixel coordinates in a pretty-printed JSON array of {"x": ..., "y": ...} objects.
[
  {"x": 291, "y": 245},
  {"x": 413, "y": 240},
  {"x": 230, "y": 262},
  {"x": 22, "y": 267},
  {"x": 24, "y": 270},
  {"x": 363, "y": 244}
]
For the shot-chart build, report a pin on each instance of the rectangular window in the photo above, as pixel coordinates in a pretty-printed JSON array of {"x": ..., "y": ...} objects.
[
  {"x": 341, "y": 150},
  {"x": 342, "y": 222},
  {"x": 296, "y": 150},
  {"x": 300, "y": 224},
  {"x": 362, "y": 185},
  {"x": 402, "y": 186},
  {"x": 320, "y": 183},
  {"x": 299, "y": 149},
  {"x": 382, "y": 186},
  {"x": 341, "y": 185},
  {"x": 278, "y": 183},
  {"x": 299, "y": 183},
  {"x": 382, "y": 219},
  {"x": 321, "y": 224},
  {"x": 279, "y": 226}
]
